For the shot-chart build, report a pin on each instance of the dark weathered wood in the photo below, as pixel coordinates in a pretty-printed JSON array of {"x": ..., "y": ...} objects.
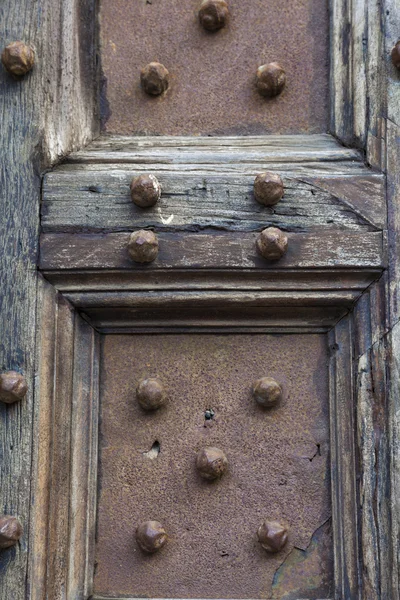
[
  {"x": 357, "y": 90},
  {"x": 393, "y": 412},
  {"x": 48, "y": 113},
  {"x": 76, "y": 200},
  {"x": 276, "y": 318},
  {"x": 103, "y": 280},
  {"x": 84, "y": 437},
  {"x": 217, "y": 251},
  {"x": 343, "y": 462}
]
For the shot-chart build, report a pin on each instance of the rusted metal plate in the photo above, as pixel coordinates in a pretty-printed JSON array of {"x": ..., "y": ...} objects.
[
  {"x": 278, "y": 467},
  {"x": 212, "y": 75}
]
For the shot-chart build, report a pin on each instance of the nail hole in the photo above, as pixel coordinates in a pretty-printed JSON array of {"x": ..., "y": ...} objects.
[{"x": 154, "y": 451}]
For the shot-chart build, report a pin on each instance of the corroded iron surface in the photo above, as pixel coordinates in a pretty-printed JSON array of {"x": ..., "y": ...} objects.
[
  {"x": 277, "y": 467},
  {"x": 212, "y": 76}
]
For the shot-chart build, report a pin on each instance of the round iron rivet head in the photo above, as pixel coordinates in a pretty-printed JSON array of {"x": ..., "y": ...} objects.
[
  {"x": 145, "y": 191},
  {"x": 151, "y": 536},
  {"x": 154, "y": 78},
  {"x": 396, "y": 55},
  {"x": 268, "y": 188},
  {"x": 143, "y": 246},
  {"x": 272, "y": 536},
  {"x": 272, "y": 243},
  {"x": 267, "y": 392},
  {"x": 211, "y": 463},
  {"x": 270, "y": 80},
  {"x": 150, "y": 393},
  {"x": 13, "y": 387},
  {"x": 10, "y": 531},
  {"x": 213, "y": 14},
  {"x": 18, "y": 58}
]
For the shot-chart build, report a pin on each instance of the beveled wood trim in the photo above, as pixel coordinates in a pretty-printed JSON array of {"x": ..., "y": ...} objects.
[
  {"x": 356, "y": 74},
  {"x": 343, "y": 463},
  {"x": 65, "y": 452},
  {"x": 71, "y": 454}
]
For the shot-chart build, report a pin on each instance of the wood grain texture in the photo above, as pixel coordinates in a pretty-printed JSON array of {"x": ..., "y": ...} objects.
[
  {"x": 105, "y": 280},
  {"x": 65, "y": 452},
  {"x": 48, "y": 113},
  {"x": 357, "y": 79},
  {"x": 213, "y": 251},
  {"x": 210, "y": 150},
  {"x": 343, "y": 462},
  {"x": 88, "y": 200},
  {"x": 392, "y": 75},
  {"x": 394, "y": 458}
]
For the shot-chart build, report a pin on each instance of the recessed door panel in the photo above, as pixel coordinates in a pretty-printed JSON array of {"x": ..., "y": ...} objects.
[
  {"x": 212, "y": 74},
  {"x": 278, "y": 467}
]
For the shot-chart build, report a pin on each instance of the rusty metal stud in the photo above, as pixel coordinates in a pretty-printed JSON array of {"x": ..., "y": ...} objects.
[
  {"x": 13, "y": 387},
  {"x": 10, "y": 531},
  {"x": 211, "y": 463},
  {"x": 143, "y": 246},
  {"x": 267, "y": 392},
  {"x": 151, "y": 394},
  {"x": 396, "y": 55},
  {"x": 213, "y": 14},
  {"x": 272, "y": 536},
  {"x": 145, "y": 191},
  {"x": 18, "y": 58},
  {"x": 270, "y": 79},
  {"x": 151, "y": 536},
  {"x": 272, "y": 243},
  {"x": 154, "y": 78},
  {"x": 268, "y": 188}
]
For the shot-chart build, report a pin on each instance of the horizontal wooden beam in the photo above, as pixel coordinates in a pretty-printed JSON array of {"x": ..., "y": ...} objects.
[{"x": 213, "y": 251}]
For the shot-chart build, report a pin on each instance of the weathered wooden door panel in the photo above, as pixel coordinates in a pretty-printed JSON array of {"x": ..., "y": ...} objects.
[
  {"x": 279, "y": 467},
  {"x": 211, "y": 90},
  {"x": 211, "y": 312}
]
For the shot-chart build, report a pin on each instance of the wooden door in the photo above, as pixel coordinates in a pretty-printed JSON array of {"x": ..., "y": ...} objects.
[{"x": 208, "y": 302}]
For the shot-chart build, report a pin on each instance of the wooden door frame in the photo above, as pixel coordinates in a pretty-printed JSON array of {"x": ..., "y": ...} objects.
[{"x": 53, "y": 111}]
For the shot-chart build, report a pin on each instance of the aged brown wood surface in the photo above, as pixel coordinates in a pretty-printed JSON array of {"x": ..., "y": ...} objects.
[
  {"x": 65, "y": 452},
  {"x": 49, "y": 112},
  {"x": 211, "y": 185}
]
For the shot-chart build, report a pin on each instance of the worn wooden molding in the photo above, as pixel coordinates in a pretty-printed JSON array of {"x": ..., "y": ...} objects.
[
  {"x": 65, "y": 459},
  {"x": 63, "y": 251},
  {"x": 115, "y": 149},
  {"x": 357, "y": 79},
  {"x": 65, "y": 452}
]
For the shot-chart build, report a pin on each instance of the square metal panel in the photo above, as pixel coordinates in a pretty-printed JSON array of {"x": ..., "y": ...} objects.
[
  {"x": 278, "y": 467},
  {"x": 212, "y": 75}
]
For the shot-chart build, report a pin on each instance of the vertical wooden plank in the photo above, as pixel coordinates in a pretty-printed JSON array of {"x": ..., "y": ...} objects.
[
  {"x": 43, "y": 438},
  {"x": 357, "y": 90},
  {"x": 393, "y": 194},
  {"x": 60, "y": 469},
  {"x": 394, "y": 445},
  {"x": 343, "y": 462},
  {"x": 84, "y": 461},
  {"x": 48, "y": 113},
  {"x": 374, "y": 473},
  {"x": 341, "y": 80},
  {"x": 392, "y": 35}
]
